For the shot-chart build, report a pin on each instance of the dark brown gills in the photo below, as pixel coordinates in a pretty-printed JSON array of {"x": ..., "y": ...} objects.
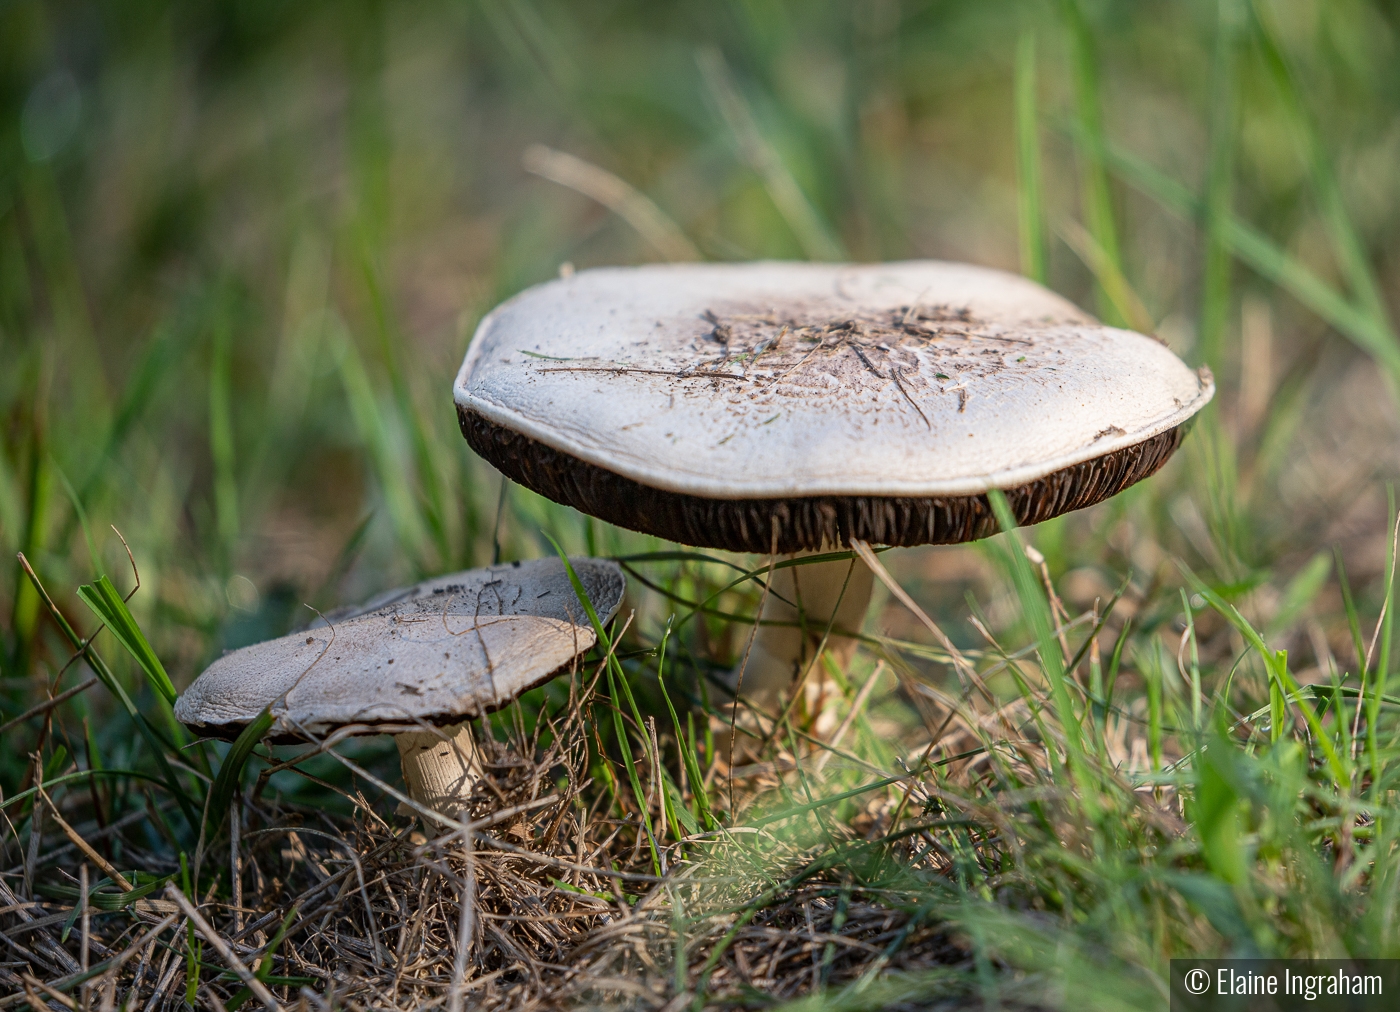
[{"x": 810, "y": 522}]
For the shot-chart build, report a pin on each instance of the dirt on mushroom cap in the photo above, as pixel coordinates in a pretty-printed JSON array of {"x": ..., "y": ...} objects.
[{"x": 760, "y": 380}]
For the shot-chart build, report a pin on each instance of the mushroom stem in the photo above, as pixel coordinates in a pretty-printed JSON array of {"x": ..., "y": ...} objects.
[
  {"x": 440, "y": 767},
  {"x": 808, "y": 595}
]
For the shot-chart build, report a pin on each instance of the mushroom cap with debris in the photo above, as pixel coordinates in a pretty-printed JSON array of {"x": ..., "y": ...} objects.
[
  {"x": 799, "y": 406},
  {"x": 444, "y": 650}
]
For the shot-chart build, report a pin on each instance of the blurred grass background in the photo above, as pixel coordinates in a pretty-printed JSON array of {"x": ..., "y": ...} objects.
[{"x": 243, "y": 247}]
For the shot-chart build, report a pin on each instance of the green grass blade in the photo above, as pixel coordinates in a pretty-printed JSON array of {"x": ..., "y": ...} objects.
[
  {"x": 1096, "y": 203},
  {"x": 104, "y": 673},
  {"x": 1036, "y": 610},
  {"x": 1363, "y": 329},
  {"x": 108, "y": 606},
  {"x": 394, "y": 480},
  {"x": 1383, "y": 659},
  {"x": 676, "y": 808},
  {"x": 1030, "y": 194},
  {"x": 1300, "y": 592},
  {"x": 72, "y": 332},
  {"x": 433, "y": 505},
  {"x": 616, "y": 676},
  {"x": 1285, "y": 415},
  {"x": 1150, "y": 665},
  {"x": 1216, "y": 270},
  {"x": 812, "y": 233},
  {"x": 94, "y": 659},
  {"x": 81, "y": 514},
  {"x": 80, "y": 775},
  {"x": 684, "y": 743},
  {"x": 1111, "y": 280},
  {"x": 1215, "y": 811},
  {"x": 1195, "y": 659},
  {"x": 1347, "y": 692},
  {"x": 163, "y": 352},
  {"x": 1232, "y": 615},
  {"x": 264, "y": 971},
  {"x": 1265, "y": 256},
  {"x": 24, "y": 611},
  {"x": 1353, "y": 616},
  {"x": 638, "y": 794},
  {"x": 535, "y": 47},
  {"x": 1282, "y": 686},
  {"x": 221, "y": 442},
  {"x": 56, "y": 762},
  {"x": 226, "y": 781},
  {"x": 1350, "y": 251}
]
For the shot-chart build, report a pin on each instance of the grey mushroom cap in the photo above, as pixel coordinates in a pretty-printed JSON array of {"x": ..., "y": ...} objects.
[
  {"x": 448, "y": 649},
  {"x": 729, "y": 405}
]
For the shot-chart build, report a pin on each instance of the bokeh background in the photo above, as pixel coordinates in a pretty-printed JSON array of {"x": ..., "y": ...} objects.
[{"x": 243, "y": 246}]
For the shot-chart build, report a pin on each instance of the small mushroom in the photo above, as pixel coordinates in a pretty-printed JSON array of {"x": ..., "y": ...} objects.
[
  {"x": 877, "y": 403},
  {"x": 436, "y": 654}
]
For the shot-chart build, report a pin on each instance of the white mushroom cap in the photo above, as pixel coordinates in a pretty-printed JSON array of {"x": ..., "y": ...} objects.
[
  {"x": 448, "y": 649},
  {"x": 779, "y": 381}
]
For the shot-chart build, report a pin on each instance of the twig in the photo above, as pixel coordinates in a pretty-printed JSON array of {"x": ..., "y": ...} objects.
[
  {"x": 1380, "y": 619},
  {"x": 48, "y": 704},
  {"x": 894, "y": 374},
  {"x": 111, "y": 967},
  {"x": 744, "y": 663},
  {"x": 36, "y": 827},
  {"x": 867, "y": 556},
  {"x": 856, "y": 707},
  {"x": 86, "y": 915},
  {"x": 1057, "y": 608},
  {"x": 32, "y": 957},
  {"x": 333, "y": 739},
  {"x": 168, "y": 968},
  {"x": 132, "y": 559},
  {"x": 555, "y": 862},
  {"x": 33, "y": 999},
  {"x": 359, "y": 876},
  {"x": 251, "y": 982},
  {"x": 235, "y": 810},
  {"x": 58, "y": 996},
  {"x": 691, "y": 374},
  {"x": 614, "y": 193},
  {"x": 423, "y": 810},
  {"x": 86, "y": 847},
  {"x": 466, "y": 922},
  {"x": 53, "y": 953},
  {"x": 110, "y": 829}
]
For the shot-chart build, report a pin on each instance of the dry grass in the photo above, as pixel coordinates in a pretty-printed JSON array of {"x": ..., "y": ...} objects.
[{"x": 547, "y": 898}]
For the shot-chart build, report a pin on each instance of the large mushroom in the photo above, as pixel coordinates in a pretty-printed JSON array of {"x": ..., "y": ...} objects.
[
  {"x": 424, "y": 660},
  {"x": 787, "y": 408}
]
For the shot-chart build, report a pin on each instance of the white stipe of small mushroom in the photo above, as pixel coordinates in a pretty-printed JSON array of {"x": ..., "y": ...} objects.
[
  {"x": 439, "y": 652},
  {"x": 682, "y": 378}
]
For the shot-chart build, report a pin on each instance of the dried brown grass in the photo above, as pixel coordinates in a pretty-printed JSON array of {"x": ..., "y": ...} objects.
[{"x": 562, "y": 906}]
